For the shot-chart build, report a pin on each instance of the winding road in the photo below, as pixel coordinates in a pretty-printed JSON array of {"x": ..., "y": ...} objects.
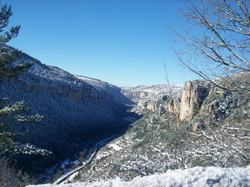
[{"x": 83, "y": 164}]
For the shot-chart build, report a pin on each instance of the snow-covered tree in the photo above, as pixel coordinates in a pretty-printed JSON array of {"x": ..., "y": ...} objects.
[{"x": 17, "y": 110}]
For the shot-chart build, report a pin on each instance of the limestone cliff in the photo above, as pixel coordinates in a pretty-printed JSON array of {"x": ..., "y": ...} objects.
[
  {"x": 193, "y": 95},
  {"x": 173, "y": 106},
  {"x": 184, "y": 103},
  {"x": 154, "y": 98}
]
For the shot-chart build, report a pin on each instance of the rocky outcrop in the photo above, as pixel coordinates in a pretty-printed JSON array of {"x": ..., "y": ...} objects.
[
  {"x": 153, "y": 93},
  {"x": 135, "y": 94},
  {"x": 174, "y": 105},
  {"x": 154, "y": 98},
  {"x": 147, "y": 105},
  {"x": 193, "y": 95},
  {"x": 205, "y": 101},
  {"x": 185, "y": 104}
]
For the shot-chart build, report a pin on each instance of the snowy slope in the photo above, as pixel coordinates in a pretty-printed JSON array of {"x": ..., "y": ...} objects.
[
  {"x": 195, "y": 177},
  {"x": 115, "y": 91},
  {"x": 72, "y": 107}
]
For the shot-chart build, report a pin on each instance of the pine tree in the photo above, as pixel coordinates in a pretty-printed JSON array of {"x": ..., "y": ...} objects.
[
  {"x": 16, "y": 111},
  {"x": 6, "y": 55}
]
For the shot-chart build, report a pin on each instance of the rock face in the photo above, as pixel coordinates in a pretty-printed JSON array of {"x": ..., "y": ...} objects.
[
  {"x": 183, "y": 103},
  {"x": 193, "y": 95},
  {"x": 153, "y": 98},
  {"x": 147, "y": 105},
  {"x": 72, "y": 107},
  {"x": 112, "y": 90},
  {"x": 154, "y": 92},
  {"x": 174, "y": 105}
]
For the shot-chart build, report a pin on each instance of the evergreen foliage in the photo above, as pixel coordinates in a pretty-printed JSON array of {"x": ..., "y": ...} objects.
[{"x": 18, "y": 110}]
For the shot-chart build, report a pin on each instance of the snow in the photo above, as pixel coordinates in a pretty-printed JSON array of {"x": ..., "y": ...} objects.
[
  {"x": 93, "y": 82},
  {"x": 111, "y": 89},
  {"x": 153, "y": 92},
  {"x": 101, "y": 155},
  {"x": 197, "y": 176},
  {"x": 115, "y": 147}
]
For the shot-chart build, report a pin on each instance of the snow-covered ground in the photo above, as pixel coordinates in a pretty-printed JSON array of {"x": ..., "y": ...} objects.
[
  {"x": 197, "y": 176},
  {"x": 153, "y": 92}
]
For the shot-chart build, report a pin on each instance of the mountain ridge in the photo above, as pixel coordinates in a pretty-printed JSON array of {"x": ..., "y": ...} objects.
[{"x": 76, "y": 113}]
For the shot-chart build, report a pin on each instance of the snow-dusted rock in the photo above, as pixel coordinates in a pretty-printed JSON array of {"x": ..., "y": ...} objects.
[
  {"x": 193, "y": 177},
  {"x": 150, "y": 97},
  {"x": 111, "y": 89},
  {"x": 153, "y": 92},
  {"x": 193, "y": 95}
]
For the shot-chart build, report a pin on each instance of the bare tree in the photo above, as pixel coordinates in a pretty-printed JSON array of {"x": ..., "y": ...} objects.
[
  {"x": 218, "y": 47},
  {"x": 170, "y": 87}
]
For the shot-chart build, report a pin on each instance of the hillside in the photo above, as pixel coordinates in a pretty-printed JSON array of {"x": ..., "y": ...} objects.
[
  {"x": 211, "y": 128},
  {"x": 198, "y": 176},
  {"x": 77, "y": 112}
]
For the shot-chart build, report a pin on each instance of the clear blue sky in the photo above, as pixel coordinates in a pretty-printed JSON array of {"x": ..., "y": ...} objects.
[{"x": 124, "y": 42}]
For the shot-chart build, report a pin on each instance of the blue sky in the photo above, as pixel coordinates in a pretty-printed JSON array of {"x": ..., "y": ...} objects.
[{"x": 124, "y": 42}]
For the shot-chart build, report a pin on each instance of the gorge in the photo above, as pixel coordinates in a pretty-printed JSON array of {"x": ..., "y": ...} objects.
[{"x": 98, "y": 131}]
